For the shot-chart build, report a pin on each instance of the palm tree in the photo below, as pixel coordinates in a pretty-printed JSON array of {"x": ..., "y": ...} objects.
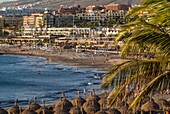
[{"x": 147, "y": 37}]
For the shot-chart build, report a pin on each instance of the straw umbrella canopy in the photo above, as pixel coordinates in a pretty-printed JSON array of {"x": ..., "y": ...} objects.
[
  {"x": 91, "y": 106},
  {"x": 67, "y": 105},
  {"x": 77, "y": 109},
  {"x": 44, "y": 110},
  {"x": 102, "y": 111},
  {"x": 14, "y": 109},
  {"x": 2, "y": 111},
  {"x": 91, "y": 102},
  {"x": 122, "y": 104},
  {"x": 163, "y": 103},
  {"x": 34, "y": 106},
  {"x": 145, "y": 99},
  {"x": 96, "y": 96},
  {"x": 79, "y": 101},
  {"x": 169, "y": 99},
  {"x": 91, "y": 109},
  {"x": 59, "y": 106},
  {"x": 150, "y": 106},
  {"x": 123, "y": 110},
  {"x": 113, "y": 111},
  {"x": 28, "y": 111},
  {"x": 93, "y": 96},
  {"x": 103, "y": 101},
  {"x": 61, "y": 110}
]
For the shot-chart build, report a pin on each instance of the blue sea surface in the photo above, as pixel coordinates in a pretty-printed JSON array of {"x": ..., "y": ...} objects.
[{"x": 24, "y": 77}]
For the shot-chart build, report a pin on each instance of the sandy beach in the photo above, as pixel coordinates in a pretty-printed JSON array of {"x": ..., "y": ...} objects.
[{"x": 103, "y": 61}]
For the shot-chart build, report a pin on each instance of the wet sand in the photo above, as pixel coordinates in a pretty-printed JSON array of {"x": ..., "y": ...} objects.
[{"x": 70, "y": 57}]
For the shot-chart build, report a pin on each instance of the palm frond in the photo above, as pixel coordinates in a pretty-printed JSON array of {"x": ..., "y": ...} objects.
[
  {"x": 120, "y": 89},
  {"x": 109, "y": 78},
  {"x": 152, "y": 2},
  {"x": 135, "y": 11},
  {"x": 153, "y": 85}
]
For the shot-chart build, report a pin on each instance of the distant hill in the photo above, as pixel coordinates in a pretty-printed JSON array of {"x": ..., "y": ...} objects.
[{"x": 57, "y": 3}]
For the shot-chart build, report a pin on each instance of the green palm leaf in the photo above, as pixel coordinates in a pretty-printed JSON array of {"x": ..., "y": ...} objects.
[
  {"x": 146, "y": 34},
  {"x": 153, "y": 85}
]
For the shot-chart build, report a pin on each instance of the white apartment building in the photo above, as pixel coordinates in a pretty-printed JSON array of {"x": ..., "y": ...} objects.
[{"x": 63, "y": 31}]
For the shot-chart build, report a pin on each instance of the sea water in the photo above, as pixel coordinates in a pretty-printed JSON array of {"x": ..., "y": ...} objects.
[{"x": 24, "y": 77}]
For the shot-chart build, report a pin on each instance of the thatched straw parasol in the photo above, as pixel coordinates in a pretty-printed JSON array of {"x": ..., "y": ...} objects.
[
  {"x": 113, "y": 111},
  {"x": 122, "y": 104},
  {"x": 34, "y": 106},
  {"x": 14, "y": 109},
  {"x": 150, "y": 106},
  {"x": 2, "y": 111},
  {"x": 163, "y": 103},
  {"x": 28, "y": 111},
  {"x": 123, "y": 110},
  {"x": 102, "y": 111},
  {"x": 146, "y": 99},
  {"x": 169, "y": 99},
  {"x": 77, "y": 110},
  {"x": 91, "y": 103},
  {"x": 90, "y": 97},
  {"x": 44, "y": 110},
  {"x": 91, "y": 106},
  {"x": 103, "y": 101},
  {"x": 61, "y": 110},
  {"x": 67, "y": 105},
  {"x": 91, "y": 109},
  {"x": 79, "y": 101},
  {"x": 95, "y": 96}
]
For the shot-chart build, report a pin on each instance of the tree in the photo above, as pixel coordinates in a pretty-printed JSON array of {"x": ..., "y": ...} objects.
[
  {"x": 147, "y": 38},
  {"x": 91, "y": 25},
  {"x": 110, "y": 23}
]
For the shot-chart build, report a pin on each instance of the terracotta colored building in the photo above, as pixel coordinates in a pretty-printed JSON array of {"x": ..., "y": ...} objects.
[
  {"x": 116, "y": 7},
  {"x": 93, "y": 8},
  {"x": 68, "y": 10}
]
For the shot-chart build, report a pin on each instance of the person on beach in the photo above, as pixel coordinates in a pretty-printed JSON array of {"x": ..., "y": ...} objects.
[
  {"x": 72, "y": 57},
  {"x": 77, "y": 70},
  {"x": 106, "y": 57},
  {"x": 92, "y": 63},
  {"x": 84, "y": 92}
]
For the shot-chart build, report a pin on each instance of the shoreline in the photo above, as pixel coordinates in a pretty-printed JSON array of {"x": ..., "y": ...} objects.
[{"x": 71, "y": 58}]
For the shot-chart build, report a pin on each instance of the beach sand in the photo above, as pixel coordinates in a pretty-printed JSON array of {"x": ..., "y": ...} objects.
[{"x": 71, "y": 57}]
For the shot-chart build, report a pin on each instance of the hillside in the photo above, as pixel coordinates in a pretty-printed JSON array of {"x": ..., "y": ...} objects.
[{"x": 57, "y": 3}]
